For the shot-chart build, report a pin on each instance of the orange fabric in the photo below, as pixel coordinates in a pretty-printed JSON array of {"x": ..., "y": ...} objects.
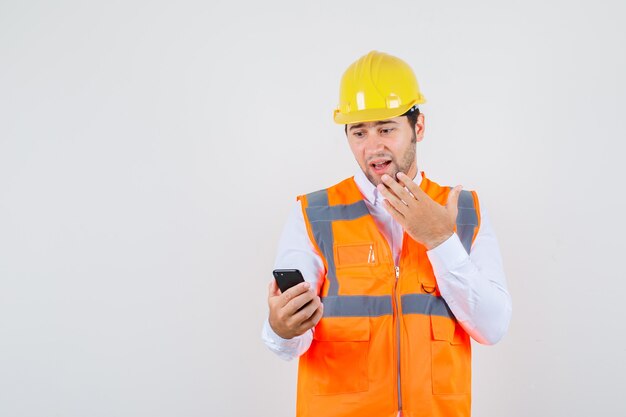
[{"x": 351, "y": 367}]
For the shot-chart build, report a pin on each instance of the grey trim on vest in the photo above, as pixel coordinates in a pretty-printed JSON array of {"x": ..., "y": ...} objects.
[
  {"x": 467, "y": 215},
  {"x": 467, "y": 219},
  {"x": 357, "y": 305},
  {"x": 381, "y": 305},
  {"x": 425, "y": 304},
  {"x": 323, "y": 235},
  {"x": 465, "y": 232},
  {"x": 338, "y": 212},
  {"x": 317, "y": 198}
]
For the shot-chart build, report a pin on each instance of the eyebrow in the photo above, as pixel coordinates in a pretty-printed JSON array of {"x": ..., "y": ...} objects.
[{"x": 378, "y": 123}]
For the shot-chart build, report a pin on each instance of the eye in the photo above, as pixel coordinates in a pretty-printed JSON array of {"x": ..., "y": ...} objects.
[
  {"x": 387, "y": 130},
  {"x": 359, "y": 134}
]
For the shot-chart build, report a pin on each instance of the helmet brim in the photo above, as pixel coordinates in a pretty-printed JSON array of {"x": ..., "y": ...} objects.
[{"x": 372, "y": 115}]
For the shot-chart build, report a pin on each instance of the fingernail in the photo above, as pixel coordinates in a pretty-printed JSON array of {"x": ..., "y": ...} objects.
[
  {"x": 386, "y": 177},
  {"x": 307, "y": 285}
]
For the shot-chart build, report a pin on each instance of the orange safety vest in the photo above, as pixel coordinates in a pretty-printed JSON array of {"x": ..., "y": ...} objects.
[{"x": 387, "y": 340}]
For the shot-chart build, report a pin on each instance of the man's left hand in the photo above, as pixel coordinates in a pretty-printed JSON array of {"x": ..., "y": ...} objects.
[{"x": 425, "y": 220}]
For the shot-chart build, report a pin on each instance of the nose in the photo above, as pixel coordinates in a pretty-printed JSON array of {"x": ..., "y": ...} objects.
[{"x": 375, "y": 143}]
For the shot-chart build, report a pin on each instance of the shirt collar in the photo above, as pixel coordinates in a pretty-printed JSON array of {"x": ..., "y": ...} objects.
[{"x": 368, "y": 189}]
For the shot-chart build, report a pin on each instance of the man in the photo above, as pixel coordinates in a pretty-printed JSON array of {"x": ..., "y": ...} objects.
[{"x": 400, "y": 271}]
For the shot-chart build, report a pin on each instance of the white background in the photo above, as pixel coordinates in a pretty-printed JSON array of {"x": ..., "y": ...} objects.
[{"x": 150, "y": 152}]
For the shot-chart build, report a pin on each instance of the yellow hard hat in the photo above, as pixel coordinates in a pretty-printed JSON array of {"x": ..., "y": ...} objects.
[{"x": 377, "y": 86}]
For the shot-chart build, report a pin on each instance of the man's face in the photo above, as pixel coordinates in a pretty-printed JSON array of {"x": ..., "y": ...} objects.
[{"x": 386, "y": 146}]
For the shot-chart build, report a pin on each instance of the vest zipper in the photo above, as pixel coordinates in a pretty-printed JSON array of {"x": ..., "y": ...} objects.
[
  {"x": 395, "y": 305},
  {"x": 396, "y": 313}
]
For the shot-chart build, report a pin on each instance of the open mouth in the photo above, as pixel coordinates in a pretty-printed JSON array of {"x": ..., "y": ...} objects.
[{"x": 380, "y": 165}]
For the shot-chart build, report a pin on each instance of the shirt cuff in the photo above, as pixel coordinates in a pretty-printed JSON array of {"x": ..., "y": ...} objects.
[
  {"x": 270, "y": 337},
  {"x": 448, "y": 255}
]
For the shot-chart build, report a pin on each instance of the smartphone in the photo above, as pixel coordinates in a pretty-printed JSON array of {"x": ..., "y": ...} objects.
[{"x": 287, "y": 278}]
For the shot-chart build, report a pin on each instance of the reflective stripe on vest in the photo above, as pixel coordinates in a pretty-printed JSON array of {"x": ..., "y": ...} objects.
[
  {"x": 376, "y": 306},
  {"x": 467, "y": 219}
]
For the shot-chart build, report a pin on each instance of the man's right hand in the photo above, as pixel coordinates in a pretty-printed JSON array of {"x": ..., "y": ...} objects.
[{"x": 285, "y": 319}]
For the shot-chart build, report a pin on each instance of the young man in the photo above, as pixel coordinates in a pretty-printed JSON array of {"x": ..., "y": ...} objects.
[{"x": 400, "y": 271}]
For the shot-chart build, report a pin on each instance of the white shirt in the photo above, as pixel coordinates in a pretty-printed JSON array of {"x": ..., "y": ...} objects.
[{"x": 473, "y": 286}]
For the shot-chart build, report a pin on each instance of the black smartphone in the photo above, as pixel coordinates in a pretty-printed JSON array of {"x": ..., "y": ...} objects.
[{"x": 287, "y": 278}]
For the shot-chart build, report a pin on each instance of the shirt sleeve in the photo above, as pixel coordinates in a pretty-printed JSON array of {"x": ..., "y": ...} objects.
[
  {"x": 295, "y": 250},
  {"x": 474, "y": 286}
]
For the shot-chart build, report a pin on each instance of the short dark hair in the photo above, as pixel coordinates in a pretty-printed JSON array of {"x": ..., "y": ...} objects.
[{"x": 411, "y": 114}]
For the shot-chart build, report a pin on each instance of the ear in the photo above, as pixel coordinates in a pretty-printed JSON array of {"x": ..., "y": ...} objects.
[{"x": 419, "y": 128}]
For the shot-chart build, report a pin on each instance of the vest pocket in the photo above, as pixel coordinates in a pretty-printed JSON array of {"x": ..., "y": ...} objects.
[
  {"x": 450, "y": 356},
  {"x": 358, "y": 254},
  {"x": 339, "y": 355}
]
